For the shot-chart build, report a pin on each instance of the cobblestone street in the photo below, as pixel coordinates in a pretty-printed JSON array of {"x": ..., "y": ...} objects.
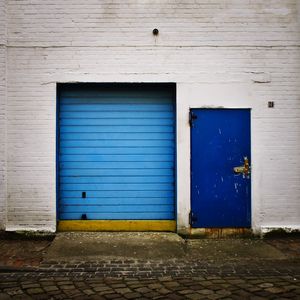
[
  {"x": 204, "y": 269},
  {"x": 172, "y": 279},
  {"x": 90, "y": 286}
]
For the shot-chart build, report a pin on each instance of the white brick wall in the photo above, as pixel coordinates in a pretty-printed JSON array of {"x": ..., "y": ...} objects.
[
  {"x": 230, "y": 53},
  {"x": 2, "y": 114}
]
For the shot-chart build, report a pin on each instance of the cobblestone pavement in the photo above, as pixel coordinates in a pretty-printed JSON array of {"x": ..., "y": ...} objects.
[
  {"x": 175, "y": 267},
  {"x": 24, "y": 274},
  {"x": 19, "y": 253},
  {"x": 40, "y": 286},
  {"x": 289, "y": 246},
  {"x": 174, "y": 279}
]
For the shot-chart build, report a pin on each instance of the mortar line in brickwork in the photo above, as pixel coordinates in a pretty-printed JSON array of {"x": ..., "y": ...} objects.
[{"x": 155, "y": 46}]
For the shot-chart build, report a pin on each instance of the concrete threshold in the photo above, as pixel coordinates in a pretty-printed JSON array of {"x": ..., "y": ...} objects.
[{"x": 92, "y": 246}]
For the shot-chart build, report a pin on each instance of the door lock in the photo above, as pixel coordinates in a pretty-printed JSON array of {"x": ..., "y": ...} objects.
[{"x": 245, "y": 169}]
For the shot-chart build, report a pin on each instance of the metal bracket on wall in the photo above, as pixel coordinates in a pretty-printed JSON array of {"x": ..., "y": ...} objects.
[
  {"x": 192, "y": 117},
  {"x": 192, "y": 218}
]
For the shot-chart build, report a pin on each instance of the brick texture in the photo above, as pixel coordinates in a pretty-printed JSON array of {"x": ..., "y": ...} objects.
[
  {"x": 236, "y": 43},
  {"x": 2, "y": 114}
]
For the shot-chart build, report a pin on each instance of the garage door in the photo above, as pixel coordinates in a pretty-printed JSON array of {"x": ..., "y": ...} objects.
[{"x": 116, "y": 152}]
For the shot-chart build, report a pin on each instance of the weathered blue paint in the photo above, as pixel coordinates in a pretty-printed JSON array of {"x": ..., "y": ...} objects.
[
  {"x": 117, "y": 146},
  {"x": 220, "y": 139}
]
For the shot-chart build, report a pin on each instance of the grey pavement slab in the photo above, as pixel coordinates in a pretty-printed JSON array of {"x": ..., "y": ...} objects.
[
  {"x": 232, "y": 249},
  {"x": 139, "y": 245}
]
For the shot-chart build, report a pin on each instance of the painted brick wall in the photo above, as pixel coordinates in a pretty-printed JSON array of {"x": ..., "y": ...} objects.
[
  {"x": 249, "y": 51},
  {"x": 2, "y": 114}
]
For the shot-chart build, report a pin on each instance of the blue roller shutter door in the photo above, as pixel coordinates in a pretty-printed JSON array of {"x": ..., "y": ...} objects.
[{"x": 116, "y": 153}]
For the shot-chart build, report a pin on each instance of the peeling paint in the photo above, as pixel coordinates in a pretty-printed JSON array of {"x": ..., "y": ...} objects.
[{"x": 216, "y": 233}]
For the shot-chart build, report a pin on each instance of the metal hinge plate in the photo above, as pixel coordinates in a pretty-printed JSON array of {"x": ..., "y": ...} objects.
[
  {"x": 192, "y": 117},
  {"x": 192, "y": 218}
]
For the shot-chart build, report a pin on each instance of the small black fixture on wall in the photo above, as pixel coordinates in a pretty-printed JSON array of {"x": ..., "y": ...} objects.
[
  {"x": 271, "y": 104},
  {"x": 155, "y": 31}
]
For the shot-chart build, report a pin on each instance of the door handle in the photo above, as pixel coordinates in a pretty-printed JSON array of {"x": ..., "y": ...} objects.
[{"x": 245, "y": 169}]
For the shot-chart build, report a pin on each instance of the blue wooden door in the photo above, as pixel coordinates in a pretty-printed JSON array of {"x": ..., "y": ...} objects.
[
  {"x": 220, "y": 168},
  {"x": 116, "y": 153}
]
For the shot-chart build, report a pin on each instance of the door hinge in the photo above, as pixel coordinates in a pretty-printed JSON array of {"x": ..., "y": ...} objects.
[
  {"x": 192, "y": 218},
  {"x": 192, "y": 117}
]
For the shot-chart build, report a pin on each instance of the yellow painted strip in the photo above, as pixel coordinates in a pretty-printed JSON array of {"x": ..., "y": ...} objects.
[{"x": 116, "y": 225}]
